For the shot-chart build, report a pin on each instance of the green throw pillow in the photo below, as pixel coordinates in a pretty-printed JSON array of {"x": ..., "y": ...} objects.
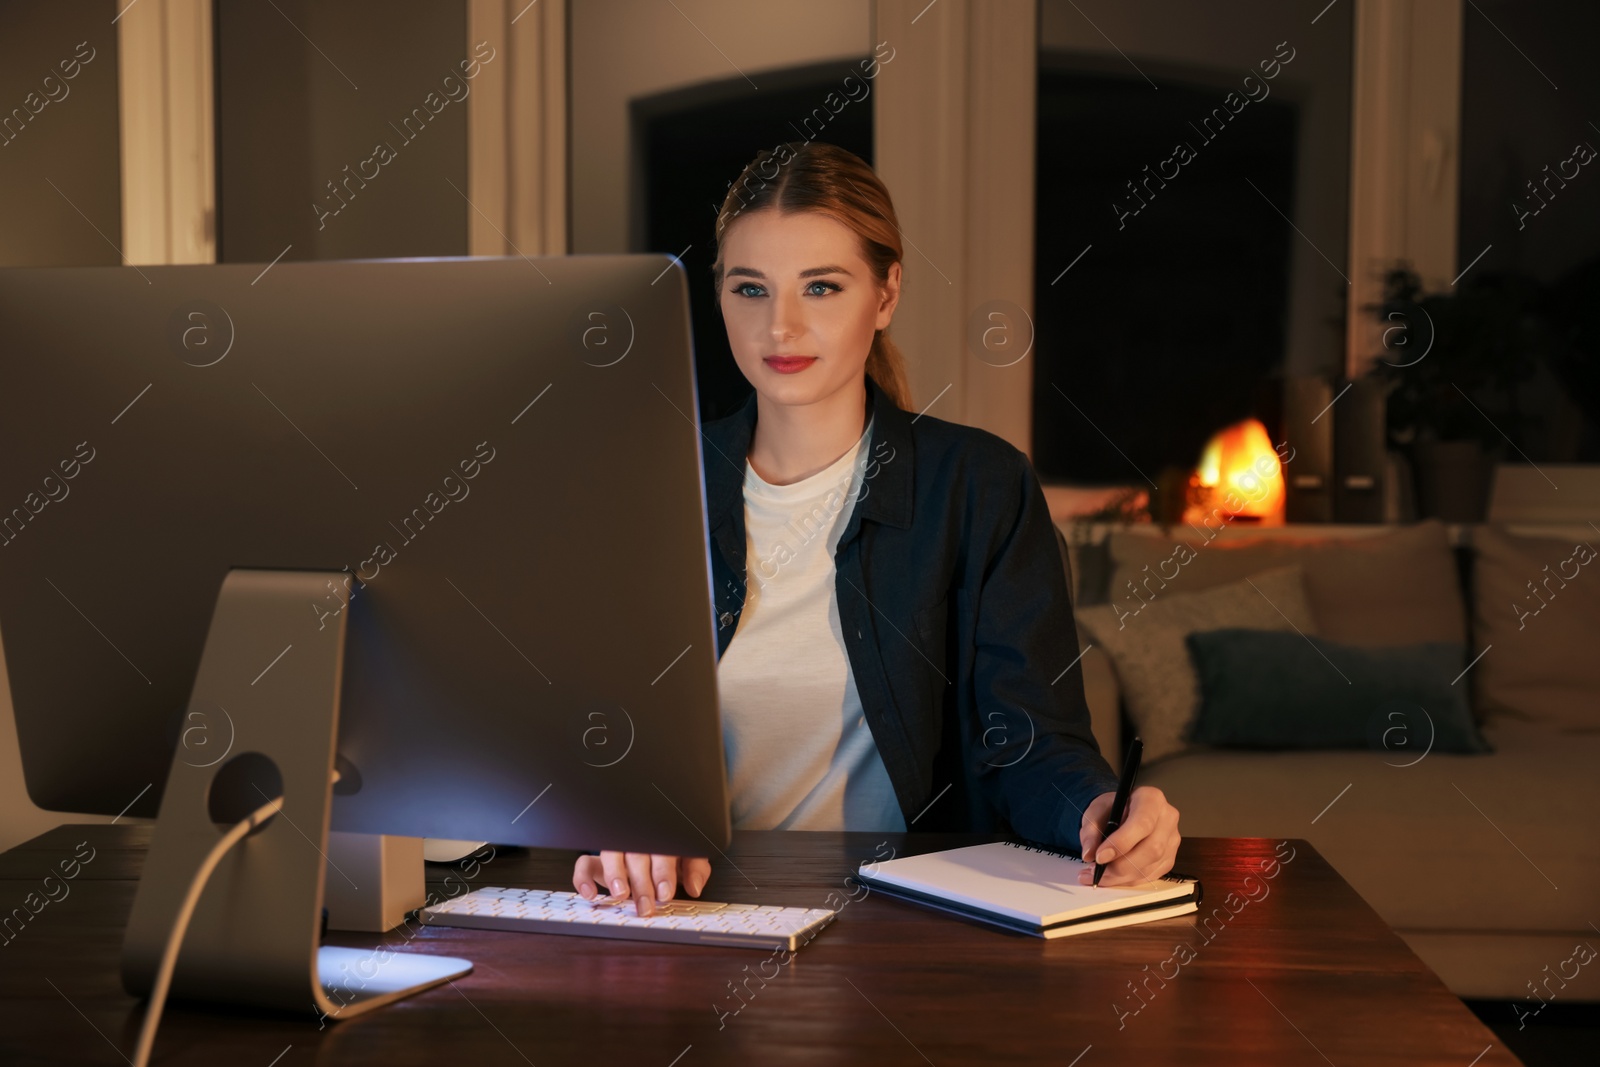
[{"x": 1272, "y": 689}]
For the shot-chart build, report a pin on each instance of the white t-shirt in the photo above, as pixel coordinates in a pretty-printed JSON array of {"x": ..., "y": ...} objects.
[{"x": 800, "y": 755}]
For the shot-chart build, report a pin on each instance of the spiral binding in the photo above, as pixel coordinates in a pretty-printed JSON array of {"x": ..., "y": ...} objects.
[{"x": 1170, "y": 876}]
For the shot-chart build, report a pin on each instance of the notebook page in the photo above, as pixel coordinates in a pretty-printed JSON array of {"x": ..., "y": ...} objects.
[{"x": 1020, "y": 882}]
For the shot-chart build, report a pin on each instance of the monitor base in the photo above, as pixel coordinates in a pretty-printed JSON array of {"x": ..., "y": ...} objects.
[
  {"x": 273, "y": 666},
  {"x": 448, "y": 850},
  {"x": 343, "y": 976}
]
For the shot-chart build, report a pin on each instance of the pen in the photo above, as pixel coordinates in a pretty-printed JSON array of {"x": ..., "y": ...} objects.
[{"x": 1119, "y": 804}]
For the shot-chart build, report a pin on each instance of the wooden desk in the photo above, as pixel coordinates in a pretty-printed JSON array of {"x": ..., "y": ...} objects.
[{"x": 1298, "y": 971}]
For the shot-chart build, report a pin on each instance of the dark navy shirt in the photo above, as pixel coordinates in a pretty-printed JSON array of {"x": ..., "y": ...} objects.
[{"x": 953, "y": 598}]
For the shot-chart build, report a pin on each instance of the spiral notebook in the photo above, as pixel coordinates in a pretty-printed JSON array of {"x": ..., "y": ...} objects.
[{"x": 1028, "y": 889}]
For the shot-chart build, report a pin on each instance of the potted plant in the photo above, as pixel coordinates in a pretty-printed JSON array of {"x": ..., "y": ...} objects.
[{"x": 1451, "y": 363}]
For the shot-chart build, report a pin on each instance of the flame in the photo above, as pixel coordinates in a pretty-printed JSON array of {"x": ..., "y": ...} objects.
[{"x": 1239, "y": 477}]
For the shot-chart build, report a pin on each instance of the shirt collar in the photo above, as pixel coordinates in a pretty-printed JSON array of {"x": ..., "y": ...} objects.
[{"x": 888, "y": 466}]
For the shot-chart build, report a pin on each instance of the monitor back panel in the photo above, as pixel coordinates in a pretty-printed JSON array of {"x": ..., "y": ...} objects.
[{"x": 502, "y": 456}]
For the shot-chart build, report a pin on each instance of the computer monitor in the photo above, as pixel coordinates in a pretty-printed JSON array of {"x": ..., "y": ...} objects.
[{"x": 481, "y": 476}]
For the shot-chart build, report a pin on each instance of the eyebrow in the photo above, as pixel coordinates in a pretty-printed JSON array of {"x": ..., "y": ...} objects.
[{"x": 812, "y": 272}]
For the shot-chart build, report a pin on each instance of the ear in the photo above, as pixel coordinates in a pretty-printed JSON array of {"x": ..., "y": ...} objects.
[{"x": 890, "y": 298}]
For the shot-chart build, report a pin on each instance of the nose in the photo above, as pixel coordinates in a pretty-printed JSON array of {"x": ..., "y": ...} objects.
[{"x": 787, "y": 317}]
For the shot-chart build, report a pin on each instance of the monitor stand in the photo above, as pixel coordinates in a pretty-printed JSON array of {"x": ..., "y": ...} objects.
[{"x": 269, "y": 686}]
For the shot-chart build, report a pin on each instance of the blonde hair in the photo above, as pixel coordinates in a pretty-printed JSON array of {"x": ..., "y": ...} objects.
[{"x": 815, "y": 176}]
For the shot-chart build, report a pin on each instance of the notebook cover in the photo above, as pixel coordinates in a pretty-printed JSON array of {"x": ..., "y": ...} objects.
[{"x": 1143, "y": 914}]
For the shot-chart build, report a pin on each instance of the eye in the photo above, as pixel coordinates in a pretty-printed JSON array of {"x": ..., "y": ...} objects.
[{"x": 827, "y": 287}]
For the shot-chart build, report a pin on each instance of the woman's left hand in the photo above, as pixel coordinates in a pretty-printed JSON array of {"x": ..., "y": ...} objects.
[{"x": 1142, "y": 849}]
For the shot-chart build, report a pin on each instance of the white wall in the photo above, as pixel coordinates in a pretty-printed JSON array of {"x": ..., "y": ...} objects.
[{"x": 625, "y": 49}]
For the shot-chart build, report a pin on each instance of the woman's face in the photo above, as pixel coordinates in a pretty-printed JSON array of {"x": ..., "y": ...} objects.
[{"x": 796, "y": 285}]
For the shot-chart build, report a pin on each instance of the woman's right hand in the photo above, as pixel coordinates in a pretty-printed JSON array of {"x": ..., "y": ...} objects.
[{"x": 644, "y": 876}]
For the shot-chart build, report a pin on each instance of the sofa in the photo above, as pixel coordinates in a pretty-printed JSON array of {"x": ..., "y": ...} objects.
[{"x": 1485, "y": 862}]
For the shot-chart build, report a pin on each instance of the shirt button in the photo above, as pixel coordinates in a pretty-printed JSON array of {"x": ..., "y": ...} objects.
[{"x": 727, "y": 617}]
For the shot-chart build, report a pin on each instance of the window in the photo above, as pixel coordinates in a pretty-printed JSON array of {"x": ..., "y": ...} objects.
[{"x": 1172, "y": 289}]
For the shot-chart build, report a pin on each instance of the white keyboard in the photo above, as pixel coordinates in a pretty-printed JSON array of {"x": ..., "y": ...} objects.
[{"x": 699, "y": 922}]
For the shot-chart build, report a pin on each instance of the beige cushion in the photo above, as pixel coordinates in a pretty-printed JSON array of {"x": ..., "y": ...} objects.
[
  {"x": 1543, "y": 643},
  {"x": 1492, "y": 965},
  {"x": 1449, "y": 842},
  {"x": 1158, "y": 679},
  {"x": 1395, "y": 588}
]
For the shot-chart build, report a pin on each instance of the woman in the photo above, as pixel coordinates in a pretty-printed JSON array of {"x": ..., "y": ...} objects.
[{"x": 894, "y": 622}]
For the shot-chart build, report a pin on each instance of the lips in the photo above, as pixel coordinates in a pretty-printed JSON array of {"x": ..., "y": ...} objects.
[{"x": 789, "y": 364}]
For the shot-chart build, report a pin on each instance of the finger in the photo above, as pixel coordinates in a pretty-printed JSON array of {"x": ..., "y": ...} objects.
[
  {"x": 1089, "y": 838},
  {"x": 1090, "y": 843},
  {"x": 1090, "y": 832},
  {"x": 695, "y": 873},
  {"x": 1149, "y": 833},
  {"x": 614, "y": 869},
  {"x": 664, "y": 872},
  {"x": 1152, "y": 820},
  {"x": 639, "y": 881},
  {"x": 1134, "y": 868},
  {"x": 587, "y": 877},
  {"x": 1146, "y": 862},
  {"x": 1140, "y": 823}
]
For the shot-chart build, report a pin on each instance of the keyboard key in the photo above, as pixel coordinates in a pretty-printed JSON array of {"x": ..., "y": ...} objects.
[{"x": 682, "y": 920}]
